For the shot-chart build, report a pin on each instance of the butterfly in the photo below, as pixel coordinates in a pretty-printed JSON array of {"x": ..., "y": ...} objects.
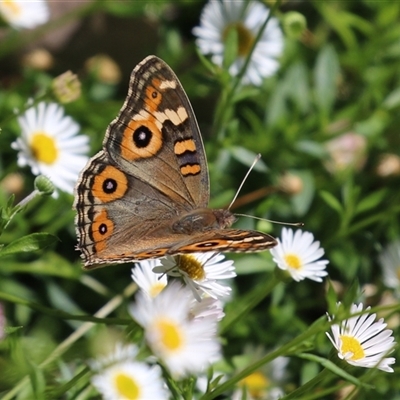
[{"x": 146, "y": 193}]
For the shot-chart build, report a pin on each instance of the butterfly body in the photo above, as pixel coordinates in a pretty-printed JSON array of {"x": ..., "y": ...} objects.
[{"x": 146, "y": 194}]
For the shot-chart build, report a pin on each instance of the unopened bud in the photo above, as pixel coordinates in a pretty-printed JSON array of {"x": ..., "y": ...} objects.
[
  {"x": 104, "y": 68},
  {"x": 290, "y": 183},
  {"x": 294, "y": 24},
  {"x": 389, "y": 165},
  {"x": 44, "y": 185},
  {"x": 66, "y": 87},
  {"x": 39, "y": 59}
]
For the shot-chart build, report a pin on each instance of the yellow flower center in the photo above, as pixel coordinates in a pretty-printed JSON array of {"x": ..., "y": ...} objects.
[
  {"x": 192, "y": 267},
  {"x": 13, "y": 7},
  {"x": 156, "y": 289},
  {"x": 170, "y": 335},
  {"x": 293, "y": 261},
  {"x": 256, "y": 384},
  {"x": 352, "y": 345},
  {"x": 44, "y": 148},
  {"x": 127, "y": 387},
  {"x": 245, "y": 37}
]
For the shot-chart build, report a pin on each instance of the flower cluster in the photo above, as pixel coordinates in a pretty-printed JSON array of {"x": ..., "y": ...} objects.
[{"x": 176, "y": 327}]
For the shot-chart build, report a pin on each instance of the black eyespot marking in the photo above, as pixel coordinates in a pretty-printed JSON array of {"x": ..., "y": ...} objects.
[
  {"x": 109, "y": 185},
  {"x": 103, "y": 229},
  {"x": 142, "y": 136},
  {"x": 154, "y": 94}
]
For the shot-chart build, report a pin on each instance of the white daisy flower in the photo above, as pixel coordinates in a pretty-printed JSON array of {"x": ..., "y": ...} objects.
[
  {"x": 218, "y": 17},
  {"x": 390, "y": 263},
  {"x": 362, "y": 342},
  {"x": 118, "y": 376},
  {"x": 147, "y": 280},
  {"x": 121, "y": 353},
  {"x": 24, "y": 13},
  {"x": 130, "y": 380},
  {"x": 173, "y": 334},
  {"x": 298, "y": 254},
  {"x": 201, "y": 272},
  {"x": 49, "y": 144}
]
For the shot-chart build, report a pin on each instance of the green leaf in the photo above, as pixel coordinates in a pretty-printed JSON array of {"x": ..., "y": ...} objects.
[
  {"x": 375, "y": 125},
  {"x": 326, "y": 76},
  {"x": 298, "y": 86},
  {"x": 370, "y": 201},
  {"x": 392, "y": 99},
  {"x": 276, "y": 111},
  {"x": 207, "y": 64},
  {"x": 333, "y": 368},
  {"x": 50, "y": 263},
  {"x": 247, "y": 92},
  {"x": 342, "y": 22},
  {"x": 11, "y": 329},
  {"x": 332, "y": 201},
  {"x": 10, "y": 202},
  {"x": 37, "y": 379},
  {"x": 29, "y": 243},
  {"x": 312, "y": 148},
  {"x": 6, "y": 213},
  {"x": 331, "y": 297}
]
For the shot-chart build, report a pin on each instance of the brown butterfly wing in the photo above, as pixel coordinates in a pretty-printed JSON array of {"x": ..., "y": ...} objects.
[{"x": 156, "y": 139}]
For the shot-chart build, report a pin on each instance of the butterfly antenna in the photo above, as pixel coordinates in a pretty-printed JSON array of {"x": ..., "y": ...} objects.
[
  {"x": 244, "y": 180},
  {"x": 270, "y": 220},
  {"x": 252, "y": 216}
]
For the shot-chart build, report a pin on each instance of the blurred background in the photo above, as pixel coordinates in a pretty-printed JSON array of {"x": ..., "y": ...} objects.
[{"x": 326, "y": 123}]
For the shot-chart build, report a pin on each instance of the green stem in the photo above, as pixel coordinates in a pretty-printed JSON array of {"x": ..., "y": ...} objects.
[
  {"x": 306, "y": 388},
  {"x": 59, "y": 313},
  {"x": 255, "y": 297}
]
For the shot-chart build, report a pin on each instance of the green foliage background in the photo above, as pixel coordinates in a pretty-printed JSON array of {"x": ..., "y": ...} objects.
[{"x": 342, "y": 75}]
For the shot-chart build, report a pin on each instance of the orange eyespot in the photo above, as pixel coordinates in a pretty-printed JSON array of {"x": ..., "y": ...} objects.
[
  {"x": 101, "y": 229},
  {"x": 141, "y": 139},
  {"x": 110, "y": 184}
]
